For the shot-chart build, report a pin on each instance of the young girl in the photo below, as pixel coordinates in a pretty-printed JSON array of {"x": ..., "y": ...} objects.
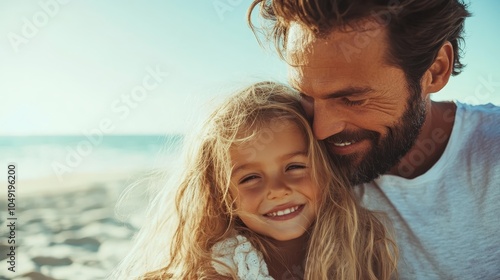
[{"x": 258, "y": 199}]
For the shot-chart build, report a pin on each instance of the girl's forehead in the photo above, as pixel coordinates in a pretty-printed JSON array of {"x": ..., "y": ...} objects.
[
  {"x": 265, "y": 130},
  {"x": 258, "y": 137},
  {"x": 273, "y": 122}
]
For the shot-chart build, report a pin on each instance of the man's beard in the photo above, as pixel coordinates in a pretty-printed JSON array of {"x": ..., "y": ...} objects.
[{"x": 386, "y": 152}]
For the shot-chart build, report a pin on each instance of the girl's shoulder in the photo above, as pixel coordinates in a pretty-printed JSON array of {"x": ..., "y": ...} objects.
[{"x": 236, "y": 254}]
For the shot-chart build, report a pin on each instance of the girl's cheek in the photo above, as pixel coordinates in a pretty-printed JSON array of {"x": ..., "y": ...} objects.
[
  {"x": 250, "y": 196},
  {"x": 251, "y": 191}
]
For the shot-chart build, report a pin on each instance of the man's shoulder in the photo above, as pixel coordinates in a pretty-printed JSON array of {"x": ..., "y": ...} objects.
[
  {"x": 482, "y": 119},
  {"x": 481, "y": 110}
]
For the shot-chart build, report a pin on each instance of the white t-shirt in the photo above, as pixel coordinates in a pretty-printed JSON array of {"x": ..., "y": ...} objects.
[
  {"x": 447, "y": 221},
  {"x": 241, "y": 257}
]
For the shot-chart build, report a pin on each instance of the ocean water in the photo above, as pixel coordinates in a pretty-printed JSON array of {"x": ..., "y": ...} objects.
[{"x": 39, "y": 157}]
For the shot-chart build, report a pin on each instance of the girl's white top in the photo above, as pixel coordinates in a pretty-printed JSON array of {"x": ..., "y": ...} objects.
[{"x": 239, "y": 254}]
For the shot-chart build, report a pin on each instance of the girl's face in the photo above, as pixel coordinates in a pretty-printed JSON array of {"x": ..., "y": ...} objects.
[{"x": 272, "y": 183}]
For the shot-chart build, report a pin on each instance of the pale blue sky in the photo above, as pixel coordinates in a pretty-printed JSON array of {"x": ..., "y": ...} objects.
[{"x": 65, "y": 65}]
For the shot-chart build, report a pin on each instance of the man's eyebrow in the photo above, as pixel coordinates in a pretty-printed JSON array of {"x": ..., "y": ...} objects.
[{"x": 350, "y": 91}]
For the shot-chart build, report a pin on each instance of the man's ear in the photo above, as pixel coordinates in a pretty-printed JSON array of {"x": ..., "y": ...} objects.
[{"x": 437, "y": 76}]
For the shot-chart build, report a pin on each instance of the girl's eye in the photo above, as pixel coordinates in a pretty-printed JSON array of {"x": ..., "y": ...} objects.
[
  {"x": 295, "y": 166},
  {"x": 248, "y": 179},
  {"x": 349, "y": 102}
]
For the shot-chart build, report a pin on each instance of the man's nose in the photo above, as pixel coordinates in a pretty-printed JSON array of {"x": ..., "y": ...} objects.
[{"x": 326, "y": 122}]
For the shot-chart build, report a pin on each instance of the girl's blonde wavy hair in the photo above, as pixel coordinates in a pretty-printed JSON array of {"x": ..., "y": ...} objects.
[{"x": 346, "y": 240}]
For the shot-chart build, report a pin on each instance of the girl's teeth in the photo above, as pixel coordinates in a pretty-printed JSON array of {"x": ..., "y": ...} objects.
[{"x": 283, "y": 212}]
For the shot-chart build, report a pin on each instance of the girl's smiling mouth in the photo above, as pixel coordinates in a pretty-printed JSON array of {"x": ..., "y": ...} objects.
[{"x": 285, "y": 214}]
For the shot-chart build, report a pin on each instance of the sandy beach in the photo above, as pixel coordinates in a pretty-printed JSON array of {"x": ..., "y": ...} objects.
[{"x": 69, "y": 230}]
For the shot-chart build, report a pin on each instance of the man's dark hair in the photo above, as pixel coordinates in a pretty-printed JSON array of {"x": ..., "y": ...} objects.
[{"x": 416, "y": 28}]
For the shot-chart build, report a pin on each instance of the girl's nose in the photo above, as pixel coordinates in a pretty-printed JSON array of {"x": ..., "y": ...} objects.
[{"x": 278, "y": 189}]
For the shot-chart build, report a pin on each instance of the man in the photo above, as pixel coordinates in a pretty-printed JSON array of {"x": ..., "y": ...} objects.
[{"x": 366, "y": 70}]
